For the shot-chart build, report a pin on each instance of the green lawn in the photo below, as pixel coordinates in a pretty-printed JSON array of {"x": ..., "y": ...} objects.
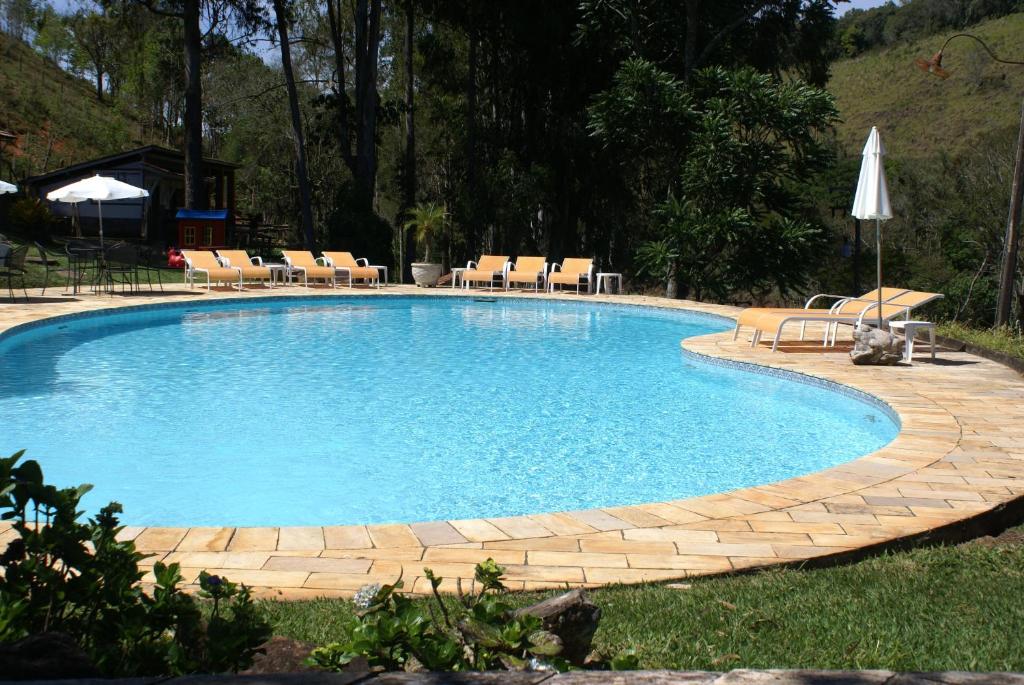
[
  {"x": 947, "y": 608},
  {"x": 36, "y": 276},
  {"x": 1001, "y": 339}
]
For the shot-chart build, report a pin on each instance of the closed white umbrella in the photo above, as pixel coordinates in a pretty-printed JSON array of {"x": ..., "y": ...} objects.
[
  {"x": 99, "y": 188},
  {"x": 872, "y": 198},
  {"x": 6, "y": 187}
]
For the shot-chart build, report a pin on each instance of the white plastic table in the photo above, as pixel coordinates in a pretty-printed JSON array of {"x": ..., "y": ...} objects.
[
  {"x": 910, "y": 329},
  {"x": 601, "y": 275},
  {"x": 381, "y": 267},
  {"x": 278, "y": 271},
  {"x": 457, "y": 274}
]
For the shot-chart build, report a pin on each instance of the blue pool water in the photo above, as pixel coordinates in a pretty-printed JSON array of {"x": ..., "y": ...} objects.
[{"x": 347, "y": 411}]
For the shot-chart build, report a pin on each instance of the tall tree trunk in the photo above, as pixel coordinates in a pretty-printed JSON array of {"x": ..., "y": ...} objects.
[
  {"x": 305, "y": 196},
  {"x": 409, "y": 199},
  {"x": 367, "y": 52},
  {"x": 690, "y": 48},
  {"x": 344, "y": 105},
  {"x": 471, "y": 146},
  {"x": 195, "y": 190},
  {"x": 99, "y": 83}
]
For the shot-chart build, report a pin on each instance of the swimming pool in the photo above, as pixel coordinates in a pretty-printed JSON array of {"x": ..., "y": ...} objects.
[{"x": 339, "y": 410}]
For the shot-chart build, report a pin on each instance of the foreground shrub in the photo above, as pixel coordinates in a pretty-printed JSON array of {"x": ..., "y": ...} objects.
[
  {"x": 481, "y": 632},
  {"x": 62, "y": 575}
]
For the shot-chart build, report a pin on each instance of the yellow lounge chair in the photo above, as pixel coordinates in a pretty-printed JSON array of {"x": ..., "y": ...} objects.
[
  {"x": 489, "y": 269},
  {"x": 203, "y": 261},
  {"x": 252, "y": 267},
  {"x": 351, "y": 267},
  {"x": 309, "y": 266},
  {"x": 901, "y": 305},
  {"x": 572, "y": 271},
  {"x": 843, "y": 305},
  {"x": 528, "y": 270}
]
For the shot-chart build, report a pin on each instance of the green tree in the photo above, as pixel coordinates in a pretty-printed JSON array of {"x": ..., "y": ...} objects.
[
  {"x": 427, "y": 222},
  {"x": 724, "y": 192},
  {"x": 93, "y": 34},
  {"x": 18, "y": 17},
  {"x": 52, "y": 36}
]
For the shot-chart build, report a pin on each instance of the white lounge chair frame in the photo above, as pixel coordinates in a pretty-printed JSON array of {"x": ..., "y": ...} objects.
[
  {"x": 472, "y": 265},
  {"x": 588, "y": 277},
  {"x": 362, "y": 261},
  {"x": 840, "y": 301},
  {"x": 321, "y": 261},
  {"x": 255, "y": 261},
  {"x": 542, "y": 281},
  {"x": 832, "y": 324},
  {"x": 190, "y": 273}
]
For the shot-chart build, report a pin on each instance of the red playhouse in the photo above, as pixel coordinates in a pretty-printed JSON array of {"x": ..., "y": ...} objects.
[{"x": 204, "y": 229}]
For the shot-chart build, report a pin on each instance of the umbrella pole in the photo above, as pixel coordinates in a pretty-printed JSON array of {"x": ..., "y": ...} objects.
[
  {"x": 878, "y": 256},
  {"x": 99, "y": 212}
]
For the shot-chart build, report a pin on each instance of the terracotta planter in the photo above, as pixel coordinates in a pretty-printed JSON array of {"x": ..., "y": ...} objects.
[{"x": 426, "y": 274}]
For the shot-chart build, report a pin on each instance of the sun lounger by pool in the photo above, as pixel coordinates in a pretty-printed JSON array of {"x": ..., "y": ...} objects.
[
  {"x": 841, "y": 305},
  {"x": 893, "y": 308},
  {"x": 344, "y": 262},
  {"x": 252, "y": 267},
  {"x": 311, "y": 268},
  {"x": 204, "y": 262},
  {"x": 489, "y": 269},
  {"x": 573, "y": 271},
  {"x": 528, "y": 271}
]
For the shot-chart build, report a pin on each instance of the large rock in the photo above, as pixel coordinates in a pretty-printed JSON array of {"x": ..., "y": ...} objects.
[
  {"x": 46, "y": 656},
  {"x": 873, "y": 346},
  {"x": 282, "y": 655},
  {"x": 573, "y": 618}
]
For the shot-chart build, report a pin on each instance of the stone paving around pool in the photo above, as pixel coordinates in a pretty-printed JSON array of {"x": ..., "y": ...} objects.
[{"x": 959, "y": 455}]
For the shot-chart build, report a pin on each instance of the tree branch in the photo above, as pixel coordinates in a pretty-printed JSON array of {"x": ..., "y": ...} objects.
[{"x": 151, "y": 6}]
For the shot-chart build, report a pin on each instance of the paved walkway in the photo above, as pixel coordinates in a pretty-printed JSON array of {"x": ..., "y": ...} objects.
[{"x": 960, "y": 454}]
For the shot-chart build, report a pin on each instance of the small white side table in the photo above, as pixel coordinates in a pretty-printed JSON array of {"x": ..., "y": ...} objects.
[
  {"x": 910, "y": 329},
  {"x": 601, "y": 275},
  {"x": 381, "y": 267},
  {"x": 278, "y": 273},
  {"x": 457, "y": 276}
]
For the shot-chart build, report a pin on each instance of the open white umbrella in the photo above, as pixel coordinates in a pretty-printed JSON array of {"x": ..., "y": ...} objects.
[
  {"x": 99, "y": 188},
  {"x": 6, "y": 187},
  {"x": 872, "y": 198}
]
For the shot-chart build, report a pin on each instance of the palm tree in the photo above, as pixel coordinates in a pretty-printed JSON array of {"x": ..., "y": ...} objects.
[{"x": 427, "y": 220}]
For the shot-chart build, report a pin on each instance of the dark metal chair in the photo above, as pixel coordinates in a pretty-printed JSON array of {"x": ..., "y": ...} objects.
[
  {"x": 81, "y": 257},
  {"x": 150, "y": 262},
  {"x": 122, "y": 266},
  {"x": 44, "y": 259},
  {"x": 14, "y": 266}
]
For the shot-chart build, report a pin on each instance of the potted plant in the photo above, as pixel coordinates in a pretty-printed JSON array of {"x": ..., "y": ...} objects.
[{"x": 427, "y": 220}]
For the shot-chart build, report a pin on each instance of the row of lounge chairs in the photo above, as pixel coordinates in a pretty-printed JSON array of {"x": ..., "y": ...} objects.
[
  {"x": 845, "y": 310},
  {"x": 528, "y": 272},
  {"x": 236, "y": 267}
]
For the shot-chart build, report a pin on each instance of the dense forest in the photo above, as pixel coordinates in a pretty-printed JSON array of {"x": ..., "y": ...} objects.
[{"x": 691, "y": 145}]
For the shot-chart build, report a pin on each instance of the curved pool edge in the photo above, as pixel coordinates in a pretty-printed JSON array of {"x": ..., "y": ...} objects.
[{"x": 948, "y": 465}]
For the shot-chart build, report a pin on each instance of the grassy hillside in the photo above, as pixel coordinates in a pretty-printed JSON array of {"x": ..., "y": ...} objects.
[
  {"x": 56, "y": 115},
  {"x": 921, "y": 114}
]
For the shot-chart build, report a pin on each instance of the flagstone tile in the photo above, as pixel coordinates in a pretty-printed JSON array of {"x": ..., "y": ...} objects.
[
  {"x": 394, "y": 535},
  {"x": 478, "y": 530},
  {"x": 206, "y": 540},
  {"x": 387, "y": 553},
  {"x": 346, "y": 537},
  {"x": 253, "y": 540},
  {"x": 300, "y": 537},
  {"x": 159, "y": 539},
  {"x": 436, "y": 533}
]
